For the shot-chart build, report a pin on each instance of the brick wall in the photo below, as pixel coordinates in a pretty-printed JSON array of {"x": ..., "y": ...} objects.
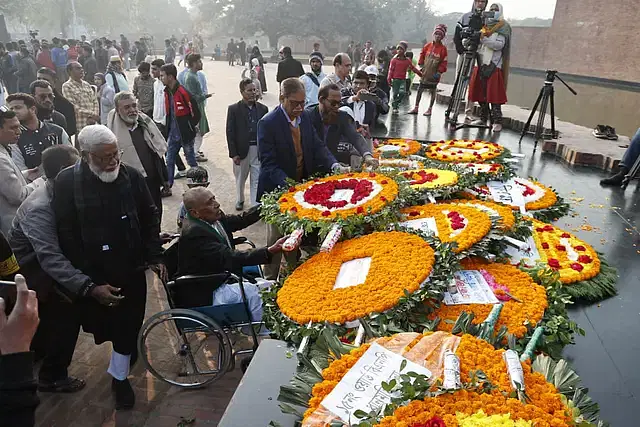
[{"x": 588, "y": 37}]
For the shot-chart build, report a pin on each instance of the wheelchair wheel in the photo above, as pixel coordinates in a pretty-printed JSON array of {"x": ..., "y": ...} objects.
[{"x": 184, "y": 348}]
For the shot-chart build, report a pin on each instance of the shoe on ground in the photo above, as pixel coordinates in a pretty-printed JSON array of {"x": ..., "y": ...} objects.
[
  {"x": 67, "y": 385},
  {"x": 600, "y": 132},
  {"x": 166, "y": 192},
  {"x": 395, "y": 111},
  {"x": 468, "y": 120},
  {"x": 239, "y": 206},
  {"x": 180, "y": 174},
  {"x": 125, "y": 397},
  {"x": 414, "y": 111},
  {"x": 427, "y": 113},
  {"x": 201, "y": 158},
  {"x": 611, "y": 133},
  {"x": 615, "y": 180},
  {"x": 478, "y": 122},
  {"x": 497, "y": 128}
]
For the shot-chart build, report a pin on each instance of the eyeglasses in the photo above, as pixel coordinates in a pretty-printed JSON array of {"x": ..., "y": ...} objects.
[
  {"x": 105, "y": 160},
  {"x": 295, "y": 103},
  {"x": 333, "y": 103}
]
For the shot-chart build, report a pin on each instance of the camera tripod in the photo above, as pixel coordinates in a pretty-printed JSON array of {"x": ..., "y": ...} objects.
[
  {"x": 460, "y": 87},
  {"x": 546, "y": 97}
]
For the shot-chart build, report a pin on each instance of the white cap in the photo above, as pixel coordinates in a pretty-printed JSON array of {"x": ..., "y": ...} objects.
[
  {"x": 349, "y": 111},
  {"x": 371, "y": 69}
]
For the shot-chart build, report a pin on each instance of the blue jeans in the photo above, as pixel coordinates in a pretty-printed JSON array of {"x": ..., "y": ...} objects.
[
  {"x": 172, "y": 152},
  {"x": 632, "y": 153}
]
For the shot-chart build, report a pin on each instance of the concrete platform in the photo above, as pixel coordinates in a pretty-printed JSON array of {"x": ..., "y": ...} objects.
[{"x": 575, "y": 144}]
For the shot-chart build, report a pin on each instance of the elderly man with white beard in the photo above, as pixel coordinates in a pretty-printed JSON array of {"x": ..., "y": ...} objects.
[
  {"x": 141, "y": 142},
  {"x": 108, "y": 227}
]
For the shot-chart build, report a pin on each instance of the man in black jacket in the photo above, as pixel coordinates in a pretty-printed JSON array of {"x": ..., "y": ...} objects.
[
  {"x": 333, "y": 126},
  {"x": 206, "y": 246},
  {"x": 242, "y": 139},
  {"x": 42, "y": 92},
  {"x": 60, "y": 103},
  {"x": 288, "y": 67}
]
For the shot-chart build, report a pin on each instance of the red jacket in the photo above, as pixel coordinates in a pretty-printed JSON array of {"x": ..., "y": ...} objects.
[
  {"x": 187, "y": 112},
  {"x": 437, "y": 51},
  {"x": 398, "y": 69}
]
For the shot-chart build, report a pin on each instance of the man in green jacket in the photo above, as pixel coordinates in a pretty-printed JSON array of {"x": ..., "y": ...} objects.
[{"x": 194, "y": 87}]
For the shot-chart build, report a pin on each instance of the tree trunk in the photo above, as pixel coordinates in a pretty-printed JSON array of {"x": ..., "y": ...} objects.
[{"x": 273, "y": 39}]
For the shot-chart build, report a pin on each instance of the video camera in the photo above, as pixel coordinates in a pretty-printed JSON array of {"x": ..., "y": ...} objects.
[
  {"x": 33, "y": 34},
  {"x": 471, "y": 33}
]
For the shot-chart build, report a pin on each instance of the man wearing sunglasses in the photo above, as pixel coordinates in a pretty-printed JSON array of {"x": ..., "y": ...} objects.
[{"x": 289, "y": 148}]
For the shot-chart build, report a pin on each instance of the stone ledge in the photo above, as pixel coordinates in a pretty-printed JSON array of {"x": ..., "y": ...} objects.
[{"x": 575, "y": 144}]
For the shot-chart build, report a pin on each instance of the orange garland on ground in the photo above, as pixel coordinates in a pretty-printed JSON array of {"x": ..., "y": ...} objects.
[
  {"x": 545, "y": 409},
  {"x": 388, "y": 194},
  {"x": 507, "y": 219},
  {"x": 546, "y": 201},
  {"x": 478, "y": 227},
  {"x": 464, "y": 151},
  {"x": 399, "y": 262},
  {"x": 556, "y": 254},
  {"x": 408, "y": 147},
  {"x": 516, "y": 316}
]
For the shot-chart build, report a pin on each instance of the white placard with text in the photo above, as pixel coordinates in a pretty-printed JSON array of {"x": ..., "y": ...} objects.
[
  {"x": 472, "y": 289},
  {"x": 508, "y": 193},
  {"x": 361, "y": 387},
  {"x": 427, "y": 225},
  {"x": 353, "y": 273},
  {"x": 529, "y": 253}
]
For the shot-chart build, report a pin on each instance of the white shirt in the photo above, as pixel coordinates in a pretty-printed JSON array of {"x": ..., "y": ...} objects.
[
  {"x": 159, "y": 113},
  {"x": 359, "y": 111}
]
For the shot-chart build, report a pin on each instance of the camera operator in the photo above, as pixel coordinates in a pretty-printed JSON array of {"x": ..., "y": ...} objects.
[
  {"x": 464, "y": 31},
  {"x": 489, "y": 81}
]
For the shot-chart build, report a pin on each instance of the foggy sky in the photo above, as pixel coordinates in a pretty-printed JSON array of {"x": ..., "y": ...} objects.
[{"x": 517, "y": 9}]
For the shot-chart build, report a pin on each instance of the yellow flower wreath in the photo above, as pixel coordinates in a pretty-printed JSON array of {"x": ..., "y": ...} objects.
[{"x": 464, "y": 151}]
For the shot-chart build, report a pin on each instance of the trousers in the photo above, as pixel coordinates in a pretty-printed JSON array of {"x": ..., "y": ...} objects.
[
  {"x": 56, "y": 336},
  {"x": 249, "y": 166},
  {"x": 399, "y": 87},
  {"x": 172, "y": 153},
  {"x": 631, "y": 155}
]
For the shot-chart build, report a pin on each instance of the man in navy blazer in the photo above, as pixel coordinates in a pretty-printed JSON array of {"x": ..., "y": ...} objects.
[
  {"x": 276, "y": 146},
  {"x": 289, "y": 147}
]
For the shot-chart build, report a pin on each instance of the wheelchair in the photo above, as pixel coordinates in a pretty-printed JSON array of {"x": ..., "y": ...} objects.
[{"x": 190, "y": 345}]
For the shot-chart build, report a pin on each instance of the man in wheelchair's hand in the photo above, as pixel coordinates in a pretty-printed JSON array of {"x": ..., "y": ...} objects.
[
  {"x": 161, "y": 271},
  {"x": 277, "y": 246},
  {"x": 106, "y": 295}
]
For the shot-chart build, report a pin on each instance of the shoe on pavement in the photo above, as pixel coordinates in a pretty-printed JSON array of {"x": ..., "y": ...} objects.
[
  {"x": 239, "y": 206},
  {"x": 125, "y": 397},
  {"x": 395, "y": 110},
  {"x": 601, "y": 132},
  {"x": 414, "y": 111},
  {"x": 427, "y": 113},
  {"x": 615, "y": 180},
  {"x": 67, "y": 385},
  {"x": 497, "y": 128},
  {"x": 166, "y": 192},
  {"x": 180, "y": 174},
  {"x": 478, "y": 122},
  {"x": 201, "y": 158},
  {"x": 611, "y": 133}
]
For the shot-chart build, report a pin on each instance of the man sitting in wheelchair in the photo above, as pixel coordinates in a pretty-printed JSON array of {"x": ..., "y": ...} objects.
[{"x": 206, "y": 247}]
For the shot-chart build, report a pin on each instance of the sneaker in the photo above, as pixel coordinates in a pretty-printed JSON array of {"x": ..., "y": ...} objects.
[
  {"x": 125, "y": 397},
  {"x": 414, "y": 111},
  {"x": 427, "y": 113},
  {"x": 180, "y": 174},
  {"x": 239, "y": 206},
  {"x": 611, "y": 133},
  {"x": 497, "y": 128},
  {"x": 600, "y": 132}
]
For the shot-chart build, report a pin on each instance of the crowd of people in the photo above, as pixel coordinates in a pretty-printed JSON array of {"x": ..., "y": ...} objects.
[{"x": 86, "y": 157}]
